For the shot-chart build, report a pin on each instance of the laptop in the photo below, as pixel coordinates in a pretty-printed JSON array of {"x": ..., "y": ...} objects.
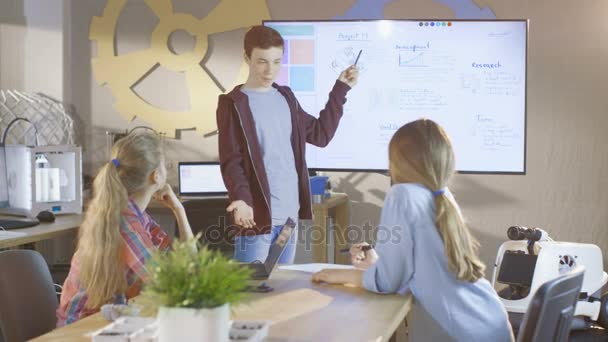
[
  {"x": 200, "y": 179},
  {"x": 263, "y": 270}
]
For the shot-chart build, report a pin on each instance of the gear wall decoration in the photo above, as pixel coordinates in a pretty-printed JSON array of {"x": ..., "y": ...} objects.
[{"x": 122, "y": 73}]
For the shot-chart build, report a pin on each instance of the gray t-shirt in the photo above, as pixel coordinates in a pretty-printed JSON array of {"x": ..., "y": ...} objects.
[{"x": 273, "y": 127}]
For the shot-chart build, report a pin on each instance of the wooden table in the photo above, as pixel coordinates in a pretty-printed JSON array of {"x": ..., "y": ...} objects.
[
  {"x": 300, "y": 311},
  {"x": 63, "y": 224},
  {"x": 336, "y": 206}
]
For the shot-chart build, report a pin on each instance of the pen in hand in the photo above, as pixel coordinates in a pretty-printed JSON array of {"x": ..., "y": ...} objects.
[
  {"x": 363, "y": 249},
  {"x": 357, "y": 59}
]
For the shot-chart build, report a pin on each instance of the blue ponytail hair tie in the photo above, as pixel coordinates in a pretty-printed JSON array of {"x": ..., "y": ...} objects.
[
  {"x": 115, "y": 162},
  {"x": 439, "y": 192}
]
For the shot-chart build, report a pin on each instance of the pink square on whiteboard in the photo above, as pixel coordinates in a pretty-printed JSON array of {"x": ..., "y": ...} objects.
[{"x": 301, "y": 51}]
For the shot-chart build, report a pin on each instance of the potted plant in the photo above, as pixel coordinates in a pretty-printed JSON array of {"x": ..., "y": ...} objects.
[{"x": 194, "y": 288}]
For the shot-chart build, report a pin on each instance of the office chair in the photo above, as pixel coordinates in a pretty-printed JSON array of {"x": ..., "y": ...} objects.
[
  {"x": 549, "y": 315},
  {"x": 208, "y": 216},
  {"x": 27, "y": 295}
]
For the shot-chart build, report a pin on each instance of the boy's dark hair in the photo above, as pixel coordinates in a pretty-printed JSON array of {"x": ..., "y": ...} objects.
[{"x": 262, "y": 37}]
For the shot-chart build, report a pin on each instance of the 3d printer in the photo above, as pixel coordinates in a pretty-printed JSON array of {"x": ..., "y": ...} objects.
[{"x": 40, "y": 178}]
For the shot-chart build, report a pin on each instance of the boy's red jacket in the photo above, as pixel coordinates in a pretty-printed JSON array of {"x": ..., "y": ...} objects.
[{"x": 241, "y": 156}]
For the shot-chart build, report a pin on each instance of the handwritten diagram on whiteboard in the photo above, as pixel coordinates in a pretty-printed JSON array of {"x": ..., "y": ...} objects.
[{"x": 469, "y": 76}]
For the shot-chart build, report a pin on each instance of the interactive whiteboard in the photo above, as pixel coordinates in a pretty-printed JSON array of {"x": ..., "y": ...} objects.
[{"x": 469, "y": 76}]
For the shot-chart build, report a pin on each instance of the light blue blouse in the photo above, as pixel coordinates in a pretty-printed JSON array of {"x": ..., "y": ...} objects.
[{"x": 412, "y": 260}]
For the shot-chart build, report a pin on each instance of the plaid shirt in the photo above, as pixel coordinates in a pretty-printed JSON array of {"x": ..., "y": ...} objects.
[{"x": 142, "y": 236}]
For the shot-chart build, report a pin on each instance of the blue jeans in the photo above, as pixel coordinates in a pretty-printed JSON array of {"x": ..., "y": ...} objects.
[{"x": 249, "y": 248}]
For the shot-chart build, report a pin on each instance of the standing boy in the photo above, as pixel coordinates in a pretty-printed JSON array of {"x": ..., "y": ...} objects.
[{"x": 263, "y": 133}]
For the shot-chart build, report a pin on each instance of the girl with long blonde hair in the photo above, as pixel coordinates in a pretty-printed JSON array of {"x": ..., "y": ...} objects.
[
  {"x": 426, "y": 248},
  {"x": 117, "y": 236}
]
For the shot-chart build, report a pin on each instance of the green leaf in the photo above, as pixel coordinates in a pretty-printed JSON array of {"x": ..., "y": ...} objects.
[{"x": 193, "y": 276}]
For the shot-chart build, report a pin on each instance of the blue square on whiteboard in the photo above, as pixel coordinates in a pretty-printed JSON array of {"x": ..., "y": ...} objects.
[{"x": 302, "y": 78}]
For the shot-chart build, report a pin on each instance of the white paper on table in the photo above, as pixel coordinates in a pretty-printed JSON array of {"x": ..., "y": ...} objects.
[{"x": 313, "y": 268}]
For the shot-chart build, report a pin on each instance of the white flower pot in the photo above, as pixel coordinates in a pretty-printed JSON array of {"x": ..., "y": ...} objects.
[{"x": 187, "y": 324}]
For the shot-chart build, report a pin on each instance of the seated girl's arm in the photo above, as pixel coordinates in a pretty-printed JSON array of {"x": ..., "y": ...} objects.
[
  {"x": 395, "y": 247},
  {"x": 332, "y": 276},
  {"x": 167, "y": 197},
  {"x": 185, "y": 232},
  {"x": 394, "y": 267}
]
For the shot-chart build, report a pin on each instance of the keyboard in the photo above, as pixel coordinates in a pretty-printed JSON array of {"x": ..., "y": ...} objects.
[{"x": 16, "y": 224}]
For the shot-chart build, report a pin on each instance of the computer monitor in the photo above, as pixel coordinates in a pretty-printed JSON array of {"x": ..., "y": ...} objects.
[
  {"x": 200, "y": 179},
  {"x": 517, "y": 268}
]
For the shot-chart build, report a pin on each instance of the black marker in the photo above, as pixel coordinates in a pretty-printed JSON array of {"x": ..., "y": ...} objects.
[
  {"x": 359, "y": 55},
  {"x": 363, "y": 249}
]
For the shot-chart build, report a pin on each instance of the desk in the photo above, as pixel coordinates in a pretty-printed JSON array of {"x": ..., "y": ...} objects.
[
  {"x": 336, "y": 206},
  {"x": 63, "y": 224},
  {"x": 300, "y": 311}
]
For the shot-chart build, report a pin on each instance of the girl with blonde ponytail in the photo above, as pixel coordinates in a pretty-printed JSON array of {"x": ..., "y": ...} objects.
[
  {"x": 117, "y": 236},
  {"x": 429, "y": 251}
]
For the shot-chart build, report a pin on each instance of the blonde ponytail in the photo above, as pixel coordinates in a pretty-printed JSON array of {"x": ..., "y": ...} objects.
[
  {"x": 102, "y": 268},
  {"x": 461, "y": 248},
  {"x": 420, "y": 152}
]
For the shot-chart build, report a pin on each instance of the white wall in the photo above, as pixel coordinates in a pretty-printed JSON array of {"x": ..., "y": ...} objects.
[{"x": 31, "y": 46}]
